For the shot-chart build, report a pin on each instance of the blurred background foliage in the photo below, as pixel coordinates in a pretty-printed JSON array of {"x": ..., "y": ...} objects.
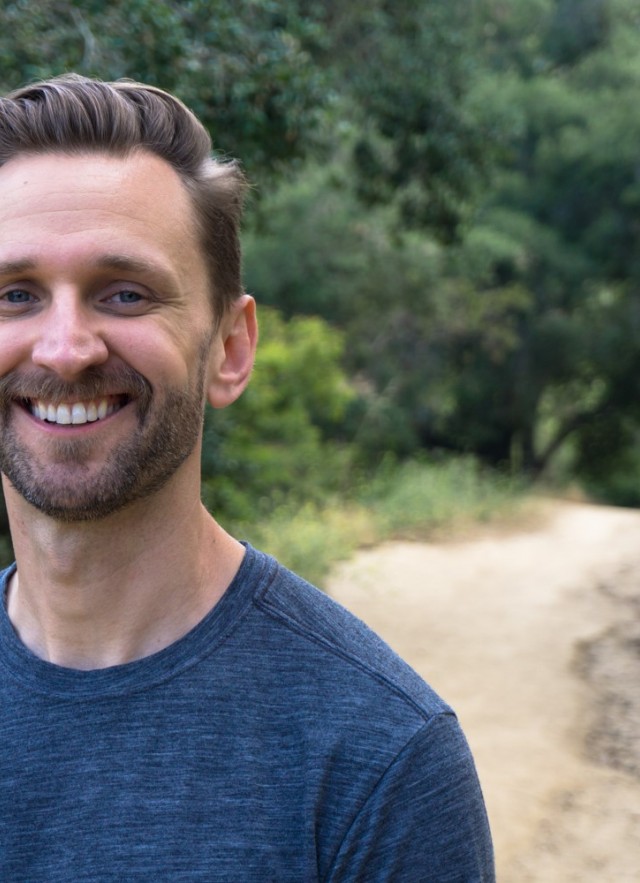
[{"x": 444, "y": 229}]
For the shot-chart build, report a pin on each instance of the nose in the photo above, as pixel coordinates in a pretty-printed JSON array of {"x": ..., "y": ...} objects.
[{"x": 69, "y": 341}]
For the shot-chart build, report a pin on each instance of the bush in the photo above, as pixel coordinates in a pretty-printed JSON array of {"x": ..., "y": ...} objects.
[
  {"x": 271, "y": 446},
  {"x": 416, "y": 498},
  {"x": 412, "y": 500}
]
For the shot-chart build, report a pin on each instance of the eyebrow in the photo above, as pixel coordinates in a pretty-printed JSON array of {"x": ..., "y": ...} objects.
[
  {"x": 9, "y": 268},
  {"x": 126, "y": 263}
]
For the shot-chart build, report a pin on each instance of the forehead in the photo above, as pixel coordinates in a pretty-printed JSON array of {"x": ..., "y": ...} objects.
[{"x": 92, "y": 201}]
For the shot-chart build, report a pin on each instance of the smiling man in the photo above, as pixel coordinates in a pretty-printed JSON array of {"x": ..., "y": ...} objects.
[{"x": 174, "y": 705}]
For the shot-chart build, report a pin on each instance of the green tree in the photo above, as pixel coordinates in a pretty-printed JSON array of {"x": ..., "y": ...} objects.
[
  {"x": 244, "y": 66},
  {"x": 404, "y": 71},
  {"x": 560, "y": 224},
  {"x": 272, "y": 444},
  {"x": 523, "y": 333}
]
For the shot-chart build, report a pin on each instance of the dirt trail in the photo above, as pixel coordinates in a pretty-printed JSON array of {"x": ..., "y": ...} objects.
[{"x": 533, "y": 637}]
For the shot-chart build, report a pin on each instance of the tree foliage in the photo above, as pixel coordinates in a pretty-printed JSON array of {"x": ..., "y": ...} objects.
[
  {"x": 271, "y": 445},
  {"x": 243, "y": 66},
  {"x": 565, "y": 208},
  {"x": 520, "y": 336},
  {"x": 449, "y": 218},
  {"x": 404, "y": 72}
]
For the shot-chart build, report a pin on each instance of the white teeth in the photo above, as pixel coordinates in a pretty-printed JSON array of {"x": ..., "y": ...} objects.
[
  {"x": 76, "y": 413},
  {"x": 63, "y": 414}
]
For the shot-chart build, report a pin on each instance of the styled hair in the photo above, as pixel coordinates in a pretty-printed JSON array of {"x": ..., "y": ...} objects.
[{"x": 73, "y": 114}]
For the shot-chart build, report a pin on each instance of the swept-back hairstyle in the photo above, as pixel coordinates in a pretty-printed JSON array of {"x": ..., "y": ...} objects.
[{"x": 73, "y": 114}]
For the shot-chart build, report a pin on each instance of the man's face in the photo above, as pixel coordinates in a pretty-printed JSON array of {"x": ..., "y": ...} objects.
[{"x": 106, "y": 330}]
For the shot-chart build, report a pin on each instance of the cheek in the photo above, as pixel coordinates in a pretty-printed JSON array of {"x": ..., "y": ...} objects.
[
  {"x": 15, "y": 349},
  {"x": 160, "y": 357},
  {"x": 145, "y": 345}
]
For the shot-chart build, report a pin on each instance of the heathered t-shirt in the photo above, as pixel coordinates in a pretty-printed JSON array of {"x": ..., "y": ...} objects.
[{"x": 279, "y": 740}]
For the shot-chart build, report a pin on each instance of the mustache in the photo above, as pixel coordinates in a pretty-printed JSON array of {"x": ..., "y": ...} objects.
[{"x": 94, "y": 383}]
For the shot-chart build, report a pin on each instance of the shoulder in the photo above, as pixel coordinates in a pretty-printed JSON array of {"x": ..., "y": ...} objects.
[
  {"x": 396, "y": 767},
  {"x": 338, "y": 642}
]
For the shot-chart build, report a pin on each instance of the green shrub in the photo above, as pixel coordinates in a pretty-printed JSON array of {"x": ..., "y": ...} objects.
[
  {"x": 416, "y": 498},
  {"x": 409, "y": 500},
  {"x": 270, "y": 447}
]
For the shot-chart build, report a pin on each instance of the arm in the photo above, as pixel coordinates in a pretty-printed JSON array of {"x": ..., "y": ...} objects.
[{"x": 425, "y": 822}]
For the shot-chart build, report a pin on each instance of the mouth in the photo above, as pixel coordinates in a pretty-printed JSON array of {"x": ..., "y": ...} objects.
[{"x": 75, "y": 413}]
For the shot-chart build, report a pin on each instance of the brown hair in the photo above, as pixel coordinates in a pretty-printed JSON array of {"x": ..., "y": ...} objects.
[{"x": 75, "y": 114}]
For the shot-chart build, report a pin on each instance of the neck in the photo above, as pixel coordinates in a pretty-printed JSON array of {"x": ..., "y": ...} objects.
[{"x": 94, "y": 594}]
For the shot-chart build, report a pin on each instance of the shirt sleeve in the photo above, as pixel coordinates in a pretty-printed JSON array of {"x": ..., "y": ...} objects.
[{"x": 425, "y": 822}]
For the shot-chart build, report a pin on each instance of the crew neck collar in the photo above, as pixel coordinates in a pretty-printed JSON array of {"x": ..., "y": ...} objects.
[{"x": 67, "y": 683}]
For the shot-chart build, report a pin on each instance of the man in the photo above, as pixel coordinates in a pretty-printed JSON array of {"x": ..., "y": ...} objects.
[{"x": 175, "y": 706}]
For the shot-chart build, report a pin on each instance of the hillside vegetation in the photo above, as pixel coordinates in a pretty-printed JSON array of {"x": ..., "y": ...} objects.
[{"x": 442, "y": 237}]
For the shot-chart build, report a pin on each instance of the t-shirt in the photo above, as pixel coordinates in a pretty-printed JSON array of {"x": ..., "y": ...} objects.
[{"x": 279, "y": 740}]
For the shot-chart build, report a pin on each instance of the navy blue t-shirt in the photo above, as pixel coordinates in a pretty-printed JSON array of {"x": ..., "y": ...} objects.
[{"x": 280, "y": 740}]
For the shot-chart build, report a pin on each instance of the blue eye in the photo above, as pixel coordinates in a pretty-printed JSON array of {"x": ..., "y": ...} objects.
[
  {"x": 124, "y": 301},
  {"x": 17, "y": 296},
  {"x": 127, "y": 297}
]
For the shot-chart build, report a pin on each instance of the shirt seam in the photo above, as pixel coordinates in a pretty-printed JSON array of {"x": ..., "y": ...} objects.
[
  {"x": 352, "y": 660},
  {"x": 419, "y": 733}
]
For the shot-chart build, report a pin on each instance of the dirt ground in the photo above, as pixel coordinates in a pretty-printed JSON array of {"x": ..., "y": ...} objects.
[{"x": 533, "y": 635}]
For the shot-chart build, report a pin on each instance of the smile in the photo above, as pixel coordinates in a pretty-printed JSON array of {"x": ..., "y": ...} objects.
[{"x": 75, "y": 413}]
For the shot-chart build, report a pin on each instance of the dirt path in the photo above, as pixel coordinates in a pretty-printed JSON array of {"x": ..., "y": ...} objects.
[{"x": 532, "y": 636}]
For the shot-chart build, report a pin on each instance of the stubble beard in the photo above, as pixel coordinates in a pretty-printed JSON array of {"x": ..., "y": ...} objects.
[{"x": 68, "y": 489}]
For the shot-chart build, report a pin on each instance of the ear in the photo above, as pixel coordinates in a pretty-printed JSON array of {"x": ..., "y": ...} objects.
[{"x": 232, "y": 353}]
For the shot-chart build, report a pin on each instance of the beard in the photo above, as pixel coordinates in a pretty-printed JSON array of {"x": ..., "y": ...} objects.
[{"x": 67, "y": 488}]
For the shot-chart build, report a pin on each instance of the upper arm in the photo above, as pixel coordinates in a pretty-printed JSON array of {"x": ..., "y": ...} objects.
[{"x": 425, "y": 821}]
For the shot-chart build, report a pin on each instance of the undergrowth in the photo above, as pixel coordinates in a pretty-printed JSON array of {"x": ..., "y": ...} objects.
[{"x": 412, "y": 500}]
